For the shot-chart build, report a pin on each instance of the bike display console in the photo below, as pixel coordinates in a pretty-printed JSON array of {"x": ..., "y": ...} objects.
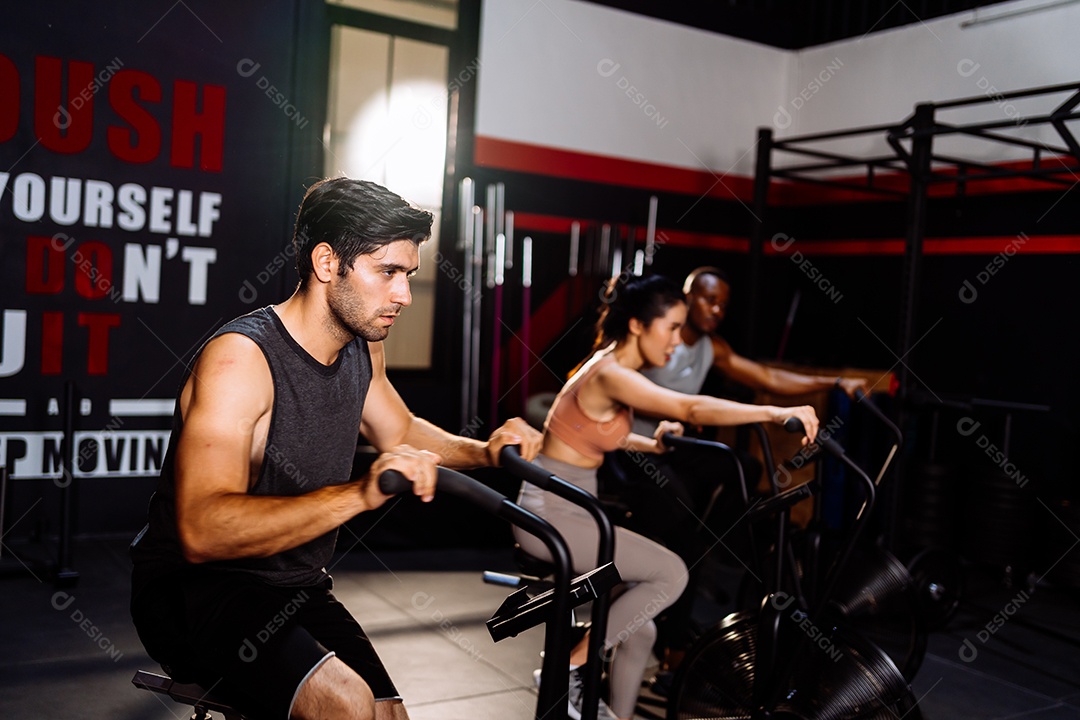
[{"x": 520, "y": 611}]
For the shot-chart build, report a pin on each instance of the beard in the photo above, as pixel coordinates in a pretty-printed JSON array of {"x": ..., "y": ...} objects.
[{"x": 350, "y": 314}]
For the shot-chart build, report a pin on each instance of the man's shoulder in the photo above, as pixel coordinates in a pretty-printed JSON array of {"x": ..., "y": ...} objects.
[
  {"x": 232, "y": 341},
  {"x": 231, "y": 378},
  {"x": 232, "y": 354},
  {"x": 248, "y": 333},
  {"x": 253, "y": 324},
  {"x": 721, "y": 347}
]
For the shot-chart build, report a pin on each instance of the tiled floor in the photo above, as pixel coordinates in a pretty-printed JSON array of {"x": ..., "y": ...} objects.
[
  {"x": 71, "y": 653},
  {"x": 1009, "y": 653}
]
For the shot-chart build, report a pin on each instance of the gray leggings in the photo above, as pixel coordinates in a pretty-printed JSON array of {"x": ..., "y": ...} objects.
[{"x": 655, "y": 577}]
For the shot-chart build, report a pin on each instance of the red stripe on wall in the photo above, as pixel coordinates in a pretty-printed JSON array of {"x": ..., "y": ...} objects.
[
  {"x": 1022, "y": 245},
  {"x": 680, "y": 238},
  {"x": 570, "y": 164},
  {"x": 883, "y": 246},
  {"x": 540, "y": 160},
  {"x": 1019, "y": 245},
  {"x": 544, "y": 223},
  {"x": 532, "y": 222},
  {"x": 979, "y": 245}
]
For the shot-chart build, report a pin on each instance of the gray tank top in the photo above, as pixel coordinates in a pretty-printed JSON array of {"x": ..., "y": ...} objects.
[
  {"x": 314, "y": 424},
  {"x": 685, "y": 373}
]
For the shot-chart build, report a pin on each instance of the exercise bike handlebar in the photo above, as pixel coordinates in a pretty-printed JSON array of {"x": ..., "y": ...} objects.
[
  {"x": 783, "y": 501},
  {"x": 681, "y": 441},
  {"x": 556, "y": 643},
  {"x": 671, "y": 440},
  {"x": 511, "y": 460},
  {"x": 392, "y": 482},
  {"x": 836, "y": 449},
  {"x": 864, "y": 400},
  {"x": 898, "y": 436},
  {"x": 794, "y": 425}
]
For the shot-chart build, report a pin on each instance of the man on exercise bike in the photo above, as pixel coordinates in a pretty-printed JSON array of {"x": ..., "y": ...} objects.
[
  {"x": 708, "y": 293},
  {"x": 230, "y": 582}
]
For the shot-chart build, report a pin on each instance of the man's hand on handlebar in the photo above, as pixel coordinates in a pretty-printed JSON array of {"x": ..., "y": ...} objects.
[
  {"x": 419, "y": 466},
  {"x": 666, "y": 426},
  {"x": 806, "y": 415},
  {"x": 514, "y": 431},
  {"x": 851, "y": 384}
]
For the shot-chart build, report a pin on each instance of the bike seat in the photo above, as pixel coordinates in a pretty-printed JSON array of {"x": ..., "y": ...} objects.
[{"x": 187, "y": 693}]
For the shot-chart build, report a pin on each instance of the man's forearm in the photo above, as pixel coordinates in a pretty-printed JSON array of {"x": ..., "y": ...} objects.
[
  {"x": 238, "y": 525},
  {"x": 785, "y": 382},
  {"x": 457, "y": 452}
]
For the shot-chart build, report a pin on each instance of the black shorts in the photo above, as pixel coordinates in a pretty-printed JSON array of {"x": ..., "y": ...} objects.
[{"x": 253, "y": 643}]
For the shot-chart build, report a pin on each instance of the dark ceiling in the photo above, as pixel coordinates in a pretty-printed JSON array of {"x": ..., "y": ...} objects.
[{"x": 793, "y": 24}]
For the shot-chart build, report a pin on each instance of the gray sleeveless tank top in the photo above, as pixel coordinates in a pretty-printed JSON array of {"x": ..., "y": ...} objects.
[
  {"x": 314, "y": 426},
  {"x": 685, "y": 373}
]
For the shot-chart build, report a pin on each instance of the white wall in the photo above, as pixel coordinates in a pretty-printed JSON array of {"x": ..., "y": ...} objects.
[
  {"x": 879, "y": 78},
  {"x": 556, "y": 73}
]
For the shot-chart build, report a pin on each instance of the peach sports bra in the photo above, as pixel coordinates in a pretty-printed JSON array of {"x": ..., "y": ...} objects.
[{"x": 591, "y": 437}]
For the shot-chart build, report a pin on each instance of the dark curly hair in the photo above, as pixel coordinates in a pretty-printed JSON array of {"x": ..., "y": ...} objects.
[{"x": 355, "y": 217}]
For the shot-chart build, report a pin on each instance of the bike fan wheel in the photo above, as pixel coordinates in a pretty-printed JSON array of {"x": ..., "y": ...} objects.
[
  {"x": 876, "y": 598},
  {"x": 939, "y": 584},
  {"x": 846, "y": 678},
  {"x": 716, "y": 678},
  {"x": 841, "y": 677}
]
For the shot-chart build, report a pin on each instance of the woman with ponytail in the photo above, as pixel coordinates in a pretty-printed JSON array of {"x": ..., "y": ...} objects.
[{"x": 638, "y": 328}]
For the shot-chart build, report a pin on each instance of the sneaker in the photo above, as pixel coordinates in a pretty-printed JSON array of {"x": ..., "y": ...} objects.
[
  {"x": 577, "y": 692},
  {"x": 661, "y": 684}
]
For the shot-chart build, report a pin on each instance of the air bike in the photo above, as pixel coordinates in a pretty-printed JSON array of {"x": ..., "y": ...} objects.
[
  {"x": 524, "y": 609},
  {"x": 594, "y": 585},
  {"x": 876, "y": 595},
  {"x": 795, "y": 655}
]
